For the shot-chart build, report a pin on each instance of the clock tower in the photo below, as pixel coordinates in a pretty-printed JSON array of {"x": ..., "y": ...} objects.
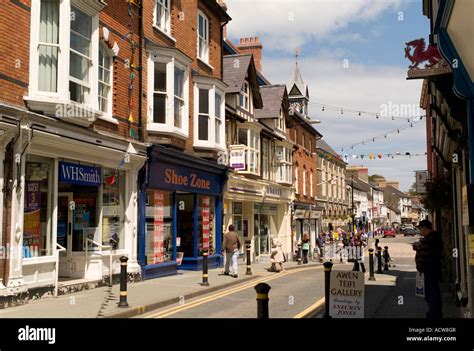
[{"x": 298, "y": 92}]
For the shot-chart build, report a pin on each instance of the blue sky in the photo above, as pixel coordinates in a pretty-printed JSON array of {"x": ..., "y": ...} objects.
[{"x": 352, "y": 55}]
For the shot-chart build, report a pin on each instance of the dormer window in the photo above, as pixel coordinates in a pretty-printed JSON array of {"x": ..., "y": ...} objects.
[{"x": 244, "y": 96}]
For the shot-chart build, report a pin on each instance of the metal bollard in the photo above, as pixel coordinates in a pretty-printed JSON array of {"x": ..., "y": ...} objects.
[
  {"x": 379, "y": 260},
  {"x": 249, "y": 267},
  {"x": 299, "y": 255},
  {"x": 327, "y": 281},
  {"x": 262, "y": 300},
  {"x": 123, "y": 282},
  {"x": 385, "y": 255},
  {"x": 356, "y": 267},
  {"x": 205, "y": 276},
  {"x": 371, "y": 264}
]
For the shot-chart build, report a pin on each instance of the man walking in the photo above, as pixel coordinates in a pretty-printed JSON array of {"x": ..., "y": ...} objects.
[
  {"x": 231, "y": 246},
  {"x": 428, "y": 261}
]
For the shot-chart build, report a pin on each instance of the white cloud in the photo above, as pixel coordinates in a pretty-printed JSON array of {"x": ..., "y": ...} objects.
[{"x": 288, "y": 24}]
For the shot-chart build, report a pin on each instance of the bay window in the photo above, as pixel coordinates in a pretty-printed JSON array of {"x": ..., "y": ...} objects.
[
  {"x": 251, "y": 140},
  {"x": 71, "y": 53},
  {"x": 168, "y": 79},
  {"x": 209, "y": 105},
  {"x": 203, "y": 37},
  {"x": 284, "y": 164},
  {"x": 105, "y": 80}
]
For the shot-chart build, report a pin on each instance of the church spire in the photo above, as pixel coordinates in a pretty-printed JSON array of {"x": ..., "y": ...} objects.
[{"x": 297, "y": 84}]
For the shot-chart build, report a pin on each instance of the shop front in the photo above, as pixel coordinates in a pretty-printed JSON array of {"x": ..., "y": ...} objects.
[
  {"x": 73, "y": 208},
  {"x": 306, "y": 220},
  {"x": 180, "y": 212},
  {"x": 259, "y": 212}
]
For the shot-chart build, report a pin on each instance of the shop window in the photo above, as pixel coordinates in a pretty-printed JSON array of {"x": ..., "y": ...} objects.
[
  {"x": 207, "y": 224},
  {"x": 113, "y": 208},
  {"x": 37, "y": 221},
  {"x": 159, "y": 237}
]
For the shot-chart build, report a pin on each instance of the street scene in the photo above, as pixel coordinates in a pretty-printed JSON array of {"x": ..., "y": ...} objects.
[{"x": 237, "y": 159}]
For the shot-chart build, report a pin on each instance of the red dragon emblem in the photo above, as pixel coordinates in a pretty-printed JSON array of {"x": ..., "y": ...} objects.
[{"x": 420, "y": 54}]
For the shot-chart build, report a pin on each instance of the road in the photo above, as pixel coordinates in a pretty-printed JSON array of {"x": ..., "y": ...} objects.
[{"x": 293, "y": 294}]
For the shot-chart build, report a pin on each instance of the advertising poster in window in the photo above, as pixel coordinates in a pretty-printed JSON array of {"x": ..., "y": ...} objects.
[
  {"x": 206, "y": 201},
  {"x": 32, "y": 223},
  {"x": 158, "y": 228}
]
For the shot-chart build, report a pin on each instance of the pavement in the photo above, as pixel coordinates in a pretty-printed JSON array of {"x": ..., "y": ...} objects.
[{"x": 391, "y": 295}]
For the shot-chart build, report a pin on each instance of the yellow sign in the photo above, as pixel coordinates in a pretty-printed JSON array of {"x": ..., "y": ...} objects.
[{"x": 471, "y": 249}]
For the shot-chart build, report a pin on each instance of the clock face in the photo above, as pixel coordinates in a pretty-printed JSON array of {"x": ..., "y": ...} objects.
[{"x": 297, "y": 106}]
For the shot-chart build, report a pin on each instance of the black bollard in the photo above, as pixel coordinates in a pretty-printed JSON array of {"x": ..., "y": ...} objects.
[
  {"x": 123, "y": 282},
  {"x": 371, "y": 264},
  {"x": 299, "y": 255},
  {"x": 385, "y": 255},
  {"x": 249, "y": 267},
  {"x": 205, "y": 276},
  {"x": 379, "y": 260},
  {"x": 262, "y": 300},
  {"x": 327, "y": 282},
  {"x": 356, "y": 267}
]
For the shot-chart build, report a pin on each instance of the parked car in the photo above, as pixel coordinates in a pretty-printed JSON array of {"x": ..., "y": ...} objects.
[
  {"x": 388, "y": 231},
  {"x": 409, "y": 232}
]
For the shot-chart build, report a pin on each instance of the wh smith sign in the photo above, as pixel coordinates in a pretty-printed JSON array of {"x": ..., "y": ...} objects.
[{"x": 79, "y": 174}]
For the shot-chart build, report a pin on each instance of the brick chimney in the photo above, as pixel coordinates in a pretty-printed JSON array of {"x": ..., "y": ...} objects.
[
  {"x": 394, "y": 184},
  {"x": 252, "y": 46}
]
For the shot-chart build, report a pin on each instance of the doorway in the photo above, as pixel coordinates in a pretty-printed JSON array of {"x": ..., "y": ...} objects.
[{"x": 64, "y": 233}]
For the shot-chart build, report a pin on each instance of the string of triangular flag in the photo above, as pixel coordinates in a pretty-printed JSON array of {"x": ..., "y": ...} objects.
[
  {"x": 387, "y": 111},
  {"x": 382, "y": 135},
  {"x": 378, "y": 156}
]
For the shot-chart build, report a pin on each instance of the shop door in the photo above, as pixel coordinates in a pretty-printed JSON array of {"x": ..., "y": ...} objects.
[
  {"x": 262, "y": 235},
  {"x": 64, "y": 233}
]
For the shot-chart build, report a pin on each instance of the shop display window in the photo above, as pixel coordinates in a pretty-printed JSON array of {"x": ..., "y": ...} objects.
[
  {"x": 159, "y": 218},
  {"x": 37, "y": 222},
  {"x": 113, "y": 208},
  {"x": 206, "y": 224}
]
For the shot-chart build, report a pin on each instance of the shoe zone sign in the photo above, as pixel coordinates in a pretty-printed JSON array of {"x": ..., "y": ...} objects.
[{"x": 77, "y": 174}]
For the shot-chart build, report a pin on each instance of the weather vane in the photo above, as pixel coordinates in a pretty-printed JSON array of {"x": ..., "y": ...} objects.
[{"x": 297, "y": 53}]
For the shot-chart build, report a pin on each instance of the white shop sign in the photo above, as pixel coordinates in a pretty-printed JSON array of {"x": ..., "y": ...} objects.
[{"x": 346, "y": 294}]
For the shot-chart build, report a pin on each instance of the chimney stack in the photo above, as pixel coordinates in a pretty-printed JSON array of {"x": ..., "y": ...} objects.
[{"x": 252, "y": 46}]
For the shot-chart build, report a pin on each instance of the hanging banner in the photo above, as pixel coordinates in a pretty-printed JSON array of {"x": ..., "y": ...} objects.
[
  {"x": 32, "y": 220},
  {"x": 158, "y": 227},
  {"x": 206, "y": 201}
]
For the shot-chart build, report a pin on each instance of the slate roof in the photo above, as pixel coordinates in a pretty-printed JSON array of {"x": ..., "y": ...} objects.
[
  {"x": 272, "y": 96},
  {"x": 297, "y": 80},
  {"x": 235, "y": 70},
  {"x": 321, "y": 144}
]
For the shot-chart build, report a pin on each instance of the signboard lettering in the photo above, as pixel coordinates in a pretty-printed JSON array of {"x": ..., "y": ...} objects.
[
  {"x": 72, "y": 173},
  {"x": 346, "y": 294}
]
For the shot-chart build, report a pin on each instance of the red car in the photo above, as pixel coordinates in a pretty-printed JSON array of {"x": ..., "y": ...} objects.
[{"x": 388, "y": 231}]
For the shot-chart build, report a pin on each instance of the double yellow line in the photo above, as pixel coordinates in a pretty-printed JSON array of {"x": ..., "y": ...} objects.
[{"x": 201, "y": 301}]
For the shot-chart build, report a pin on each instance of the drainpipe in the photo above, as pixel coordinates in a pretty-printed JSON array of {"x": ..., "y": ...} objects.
[{"x": 140, "y": 72}]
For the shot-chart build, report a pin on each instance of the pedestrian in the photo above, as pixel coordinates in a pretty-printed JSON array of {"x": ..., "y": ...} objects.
[
  {"x": 428, "y": 261},
  {"x": 320, "y": 244},
  {"x": 359, "y": 245},
  {"x": 277, "y": 256},
  {"x": 305, "y": 247},
  {"x": 231, "y": 247}
]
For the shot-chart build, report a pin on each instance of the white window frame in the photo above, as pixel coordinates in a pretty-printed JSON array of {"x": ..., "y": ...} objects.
[
  {"x": 284, "y": 164},
  {"x": 244, "y": 96},
  {"x": 163, "y": 24},
  {"x": 304, "y": 181},
  {"x": 171, "y": 58},
  {"x": 215, "y": 87},
  {"x": 47, "y": 101},
  {"x": 265, "y": 159},
  {"x": 205, "y": 39},
  {"x": 107, "y": 116},
  {"x": 255, "y": 131},
  {"x": 311, "y": 176},
  {"x": 296, "y": 180}
]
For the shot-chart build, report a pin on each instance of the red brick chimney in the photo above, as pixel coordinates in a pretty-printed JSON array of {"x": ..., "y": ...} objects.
[{"x": 253, "y": 46}]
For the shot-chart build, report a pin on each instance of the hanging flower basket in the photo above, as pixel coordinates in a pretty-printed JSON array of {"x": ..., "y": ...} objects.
[{"x": 438, "y": 195}]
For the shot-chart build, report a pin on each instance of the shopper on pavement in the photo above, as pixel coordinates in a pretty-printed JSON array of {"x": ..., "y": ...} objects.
[
  {"x": 305, "y": 247},
  {"x": 428, "y": 261},
  {"x": 231, "y": 246},
  {"x": 276, "y": 256}
]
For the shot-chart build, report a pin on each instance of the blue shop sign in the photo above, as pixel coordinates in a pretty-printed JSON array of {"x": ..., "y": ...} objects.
[
  {"x": 171, "y": 177},
  {"x": 72, "y": 173}
]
